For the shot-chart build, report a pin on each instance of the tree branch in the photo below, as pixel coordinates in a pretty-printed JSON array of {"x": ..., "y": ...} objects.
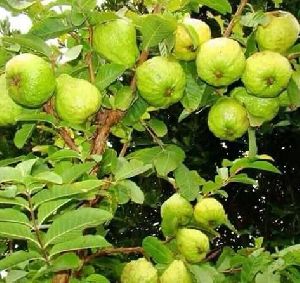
[{"x": 238, "y": 13}]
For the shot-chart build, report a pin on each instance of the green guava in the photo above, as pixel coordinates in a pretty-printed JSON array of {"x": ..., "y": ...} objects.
[
  {"x": 30, "y": 80},
  {"x": 176, "y": 273},
  {"x": 192, "y": 244},
  {"x": 160, "y": 81},
  {"x": 280, "y": 32},
  {"x": 266, "y": 74},
  {"x": 209, "y": 212},
  {"x": 139, "y": 271},
  {"x": 116, "y": 41},
  {"x": 175, "y": 211},
  {"x": 220, "y": 61},
  {"x": 76, "y": 99},
  {"x": 10, "y": 110},
  {"x": 264, "y": 109},
  {"x": 227, "y": 119},
  {"x": 191, "y": 34}
]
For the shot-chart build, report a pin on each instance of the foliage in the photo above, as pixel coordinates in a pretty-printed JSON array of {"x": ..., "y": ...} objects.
[{"x": 62, "y": 184}]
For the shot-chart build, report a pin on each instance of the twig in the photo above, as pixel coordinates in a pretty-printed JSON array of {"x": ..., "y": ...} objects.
[
  {"x": 124, "y": 149},
  {"x": 238, "y": 13},
  {"x": 153, "y": 135},
  {"x": 89, "y": 56},
  {"x": 293, "y": 56}
]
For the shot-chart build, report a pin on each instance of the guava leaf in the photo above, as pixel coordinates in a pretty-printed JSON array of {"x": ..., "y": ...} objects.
[
  {"x": 222, "y": 6},
  {"x": 23, "y": 134}
]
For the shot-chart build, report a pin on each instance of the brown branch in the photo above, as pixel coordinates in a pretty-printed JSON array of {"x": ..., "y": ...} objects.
[
  {"x": 89, "y": 56},
  {"x": 124, "y": 149},
  {"x": 238, "y": 13},
  {"x": 48, "y": 108},
  {"x": 61, "y": 277},
  {"x": 293, "y": 56}
]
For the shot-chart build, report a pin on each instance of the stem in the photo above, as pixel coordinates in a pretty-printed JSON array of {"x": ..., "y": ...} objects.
[
  {"x": 89, "y": 56},
  {"x": 36, "y": 229},
  {"x": 238, "y": 13},
  {"x": 124, "y": 149},
  {"x": 252, "y": 143},
  {"x": 153, "y": 135}
]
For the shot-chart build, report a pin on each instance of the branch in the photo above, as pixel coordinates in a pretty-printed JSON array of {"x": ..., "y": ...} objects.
[
  {"x": 89, "y": 56},
  {"x": 238, "y": 13}
]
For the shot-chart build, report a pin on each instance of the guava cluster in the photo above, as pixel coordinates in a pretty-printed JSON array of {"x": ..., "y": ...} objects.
[{"x": 183, "y": 223}]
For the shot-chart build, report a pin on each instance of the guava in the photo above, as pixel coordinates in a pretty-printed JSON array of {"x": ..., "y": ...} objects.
[
  {"x": 264, "y": 109},
  {"x": 76, "y": 99},
  {"x": 279, "y": 33},
  {"x": 190, "y": 34},
  {"x": 160, "y": 81},
  {"x": 30, "y": 80},
  {"x": 10, "y": 110},
  {"x": 176, "y": 273},
  {"x": 220, "y": 61},
  {"x": 139, "y": 271},
  {"x": 192, "y": 244},
  {"x": 175, "y": 211},
  {"x": 209, "y": 212},
  {"x": 116, "y": 41},
  {"x": 227, "y": 119},
  {"x": 266, "y": 74}
]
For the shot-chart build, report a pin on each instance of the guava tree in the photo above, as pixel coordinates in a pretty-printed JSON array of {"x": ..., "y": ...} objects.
[{"x": 88, "y": 111}]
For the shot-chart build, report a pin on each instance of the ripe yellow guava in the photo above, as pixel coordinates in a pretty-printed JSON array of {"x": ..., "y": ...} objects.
[
  {"x": 220, "y": 61},
  {"x": 190, "y": 34},
  {"x": 139, "y": 271},
  {"x": 227, "y": 119},
  {"x": 175, "y": 211},
  {"x": 266, "y": 74},
  {"x": 176, "y": 273},
  {"x": 10, "y": 110},
  {"x": 280, "y": 32},
  {"x": 192, "y": 244},
  {"x": 116, "y": 41},
  {"x": 161, "y": 81},
  {"x": 264, "y": 109},
  {"x": 76, "y": 99},
  {"x": 209, "y": 212},
  {"x": 30, "y": 80}
]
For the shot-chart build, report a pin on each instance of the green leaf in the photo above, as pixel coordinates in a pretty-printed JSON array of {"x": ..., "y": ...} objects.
[
  {"x": 126, "y": 190},
  {"x": 268, "y": 276},
  {"x": 242, "y": 178},
  {"x": 13, "y": 160},
  {"x": 65, "y": 262},
  {"x": 135, "y": 112},
  {"x": 25, "y": 167},
  {"x": 123, "y": 98},
  {"x": 291, "y": 255},
  {"x": 293, "y": 90},
  {"x": 51, "y": 207},
  {"x": 80, "y": 243},
  {"x": 96, "y": 17},
  {"x": 168, "y": 159},
  {"x": 107, "y": 74},
  {"x": 9, "y": 174},
  {"x": 96, "y": 278},
  {"x": 41, "y": 117},
  {"x": 13, "y": 216},
  {"x": 155, "y": 249},
  {"x": 67, "y": 190},
  {"x": 72, "y": 53},
  {"x": 64, "y": 154},
  {"x": 23, "y": 134},
  {"x": 156, "y": 28},
  {"x": 146, "y": 155},
  {"x": 17, "y": 258},
  {"x": 71, "y": 174},
  {"x": 158, "y": 127},
  {"x": 188, "y": 182},
  {"x": 205, "y": 273},
  {"x": 128, "y": 169},
  {"x": 15, "y": 201},
  {"x": 70, "y": 223},
  {"x": 222, "y": 6},
  {"x": 16, "y": 231},
  {"x": 20, "y": 5},
  {"x": 50, "y": 28},
  {"x": 254, "y": 19},
  {"x": 30, "y": 41},
  {"x": 263, "y": 165},
  {"x": 48, "y": 177}
]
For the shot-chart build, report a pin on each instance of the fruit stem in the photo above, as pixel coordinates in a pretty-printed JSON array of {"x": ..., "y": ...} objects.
[
  {"x": 252, "y": 143},
  {"x": 238, "y": 13}
]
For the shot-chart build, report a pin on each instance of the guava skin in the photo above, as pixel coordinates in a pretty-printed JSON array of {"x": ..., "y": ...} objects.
[
  {"x": 220, "y": 61},
  {"x": 227, "y": 119},
  {"x": 192, "y": 244},
  {"x": 161, "y": 81},
  {"x": 139, "y": 271},
  {"x": 266, "y": 74},
  {"x": 30, "y": 80},
  {"x": 184, "y": 48},
  {"x": 263, "y": 108},
  {"x": 209, "y": 212},
  {"x": 175, "y": 211},
  {"x": 116, "y": 41},
  {"x": 280, "y": 32},
  {"x": 10, "y": 110},
  {"x": 76, "y": 99},
  {"x": 176, "y": 273}
]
